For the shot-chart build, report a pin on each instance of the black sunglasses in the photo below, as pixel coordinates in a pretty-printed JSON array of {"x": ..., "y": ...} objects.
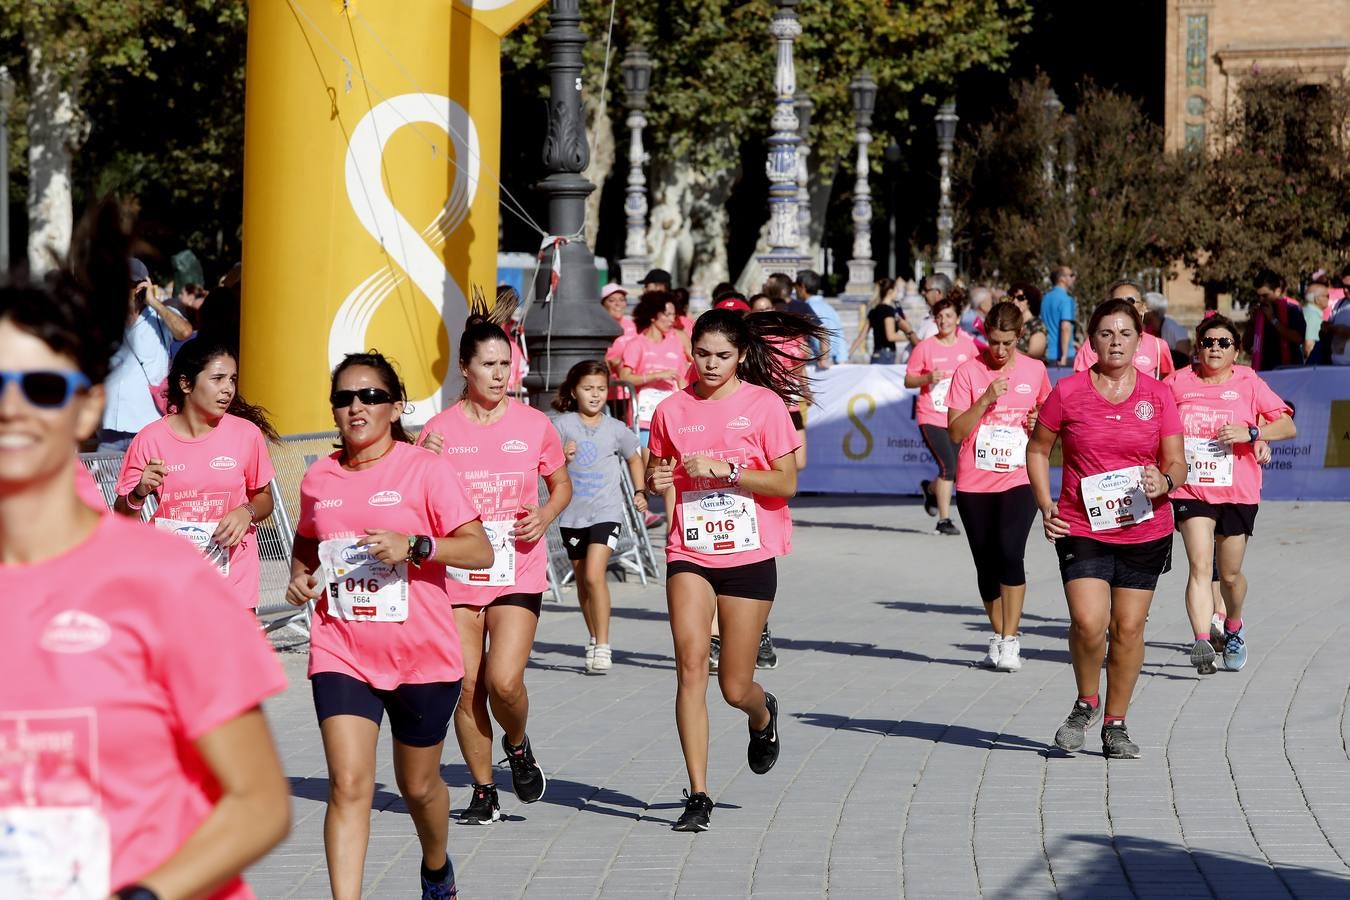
[
  {"x": 367, "y": 396},
  {"x": 46, "y": 389},
  {"x": 1221, "y": 343}
]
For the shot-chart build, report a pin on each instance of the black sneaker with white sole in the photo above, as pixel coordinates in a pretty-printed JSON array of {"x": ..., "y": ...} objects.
[
  {"x": 929, "y": 497},
  {"x": 1116, "y": 743},
  {"x": 526, "y": 777},
  {"x": 697, "y": 815},
  {"x": 763, "y": 750},
  {"x": 483, "y": 808},
  {"x": 947, "y": 526}
]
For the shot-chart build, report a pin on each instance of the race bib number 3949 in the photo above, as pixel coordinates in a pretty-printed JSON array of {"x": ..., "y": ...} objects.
[{"x": 719, "y": 521}]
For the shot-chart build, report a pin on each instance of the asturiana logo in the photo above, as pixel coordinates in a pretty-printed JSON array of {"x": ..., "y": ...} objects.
[
  {"x": 355, "y": 556},
  {"x": 1229, "y": 395},
  {"x": 717, "y": 502},
  {"x": 515, "y": 447},
  {"x": 739, "y": 423},
  {"x": 1023, "y": 388},
  {"x": 75, "y": 631},
  {"x": 1143, "y": 410},
  {"x": 223, "y": 463},
  {"x": 386, "y": 498},
  {"x": 1114, "y": 482}
]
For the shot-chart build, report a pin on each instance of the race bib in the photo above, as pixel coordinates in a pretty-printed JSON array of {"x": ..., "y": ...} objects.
[
  {"x": 503, "y": 571},
  {"x": 360, "y": 587},
  {"x": 199, "y": 533},
  {"x": 648, "y": 400},
  {"x": 54, "y": 853},
  {"x": 938, "y": 394},
  {"x": 1000, "y": 448},
  {"x": 1209, "y": 462},
  {"x": 720, "y": 521},
  {"x": 1116, "y": 499}
]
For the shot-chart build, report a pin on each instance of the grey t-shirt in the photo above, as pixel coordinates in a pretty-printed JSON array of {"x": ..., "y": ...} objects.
[{"x": 596, "y": 483}]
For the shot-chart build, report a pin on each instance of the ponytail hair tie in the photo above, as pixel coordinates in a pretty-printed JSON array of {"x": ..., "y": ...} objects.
[{"x": 1210, "y": 312}]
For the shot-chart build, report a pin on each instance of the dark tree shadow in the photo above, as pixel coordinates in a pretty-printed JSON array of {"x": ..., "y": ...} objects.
[
  {"x": 954, "y": 609},
  {"x": 574, "y": 652},
  {"x": 856, "y": 526},
  {"x": 932, "y": 732},
  {"x": 853, "y": 648}
]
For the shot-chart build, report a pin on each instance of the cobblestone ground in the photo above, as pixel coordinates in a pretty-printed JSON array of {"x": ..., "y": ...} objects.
[{"x": 905, "y": 770}]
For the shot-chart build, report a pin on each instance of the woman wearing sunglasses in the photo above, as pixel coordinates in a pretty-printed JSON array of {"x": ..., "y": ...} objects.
[
  {"x": 146, "y": 767},
  {"x": 206, "y": 463},
  {"x": 1225, "y": 410},
  {"x": 380, "y": 521},
  {"x": 500, "y": 449},
  {"x": 1028, "y": 301}
]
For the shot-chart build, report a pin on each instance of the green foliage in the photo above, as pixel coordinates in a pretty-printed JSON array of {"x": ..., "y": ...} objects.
[{"x": 1275, "y": 189}]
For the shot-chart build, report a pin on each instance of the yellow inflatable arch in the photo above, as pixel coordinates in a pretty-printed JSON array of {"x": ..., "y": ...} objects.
[{"x": 372, "y": 142}]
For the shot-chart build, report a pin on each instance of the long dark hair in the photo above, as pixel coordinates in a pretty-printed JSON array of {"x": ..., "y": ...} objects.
[
  {"x": 189, "y": 362},
  {"x": 759, "y": 336},
  {"x": 565, "y": 402},
  {"x": 374, "y": 359}
]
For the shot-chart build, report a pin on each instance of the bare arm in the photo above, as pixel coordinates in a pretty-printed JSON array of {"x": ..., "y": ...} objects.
[
  {"x": 251, "y": 817},
  {"x": 179, "y": 327},
  {"x": 466, "y": 547},
  {"x": 1036, "y": 346},
  {"x": 1065, "y": 340},
  {"x": 635, "y": 471}
]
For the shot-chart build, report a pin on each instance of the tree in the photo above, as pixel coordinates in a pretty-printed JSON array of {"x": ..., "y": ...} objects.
[{"x": 1273, "y": 190}]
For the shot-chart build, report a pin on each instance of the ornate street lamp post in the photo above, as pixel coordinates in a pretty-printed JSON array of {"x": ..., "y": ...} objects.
[
  {"x": 785, "y": 253},
  {"x": 804, "y": 107},
  {"x": 946, "y": 120},
  {"x": 567, "y": 324},
  {"x": 863, "y": 91},
  {"x": 637, "y": 79}
]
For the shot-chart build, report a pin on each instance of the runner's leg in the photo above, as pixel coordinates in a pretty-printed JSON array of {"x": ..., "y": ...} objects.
[
  {"x": 742, "y": 623},
  {"x": 349, "y": 749},
  {"x": 691, "y": 601},
  {"x": 1089, "y": 615},
  {"x": 417, "y": 771},
  {"x": 1129, "y": 609},
  {"x": 1197, "y": 535},
  {"x": 596, "y": 567},
  {"x": 583, "y": 594},
  {"x": 473, "y": 725},
  {"x": 511, "y": 635},
  {"x": 1233, "y": 583}
]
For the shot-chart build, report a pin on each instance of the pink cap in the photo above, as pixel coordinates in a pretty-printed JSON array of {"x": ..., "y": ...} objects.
[
  {"x": 735, "y": 304},
  {"x": 611, "y": 289}
]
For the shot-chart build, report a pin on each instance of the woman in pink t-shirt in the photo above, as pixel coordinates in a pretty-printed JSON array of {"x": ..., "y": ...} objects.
[
  {"x": 137, "y": 759},
  {"x": 725, "y": 445},
  {"x": 1153, "y": 358},
  {"x": 499, "y": 448},
  {"x": 656, "y": 359},
  {"x": 930, "y": 369},
  {"x": 1227, "y": 413},
  {"x": 991, "y": 408},
  {"x": 380, "y": 520},
  {"x": 1112, "y": 524},
  {"x": 206, "y": 464}
]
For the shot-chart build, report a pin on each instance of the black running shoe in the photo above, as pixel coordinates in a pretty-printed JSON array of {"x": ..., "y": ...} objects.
[
  {"x": 763, "y": 750},
  {"x": 439, "y": 890},
  {"x": 929, "y": 498},
  {"x": 1072, "y": 734},
  {"x": 947, "y": 526},
  {"x": 1116, "y": 743},
  {"x": 766, "y": 658},
  {"x": 526, "y": 777},
  {"x": 483, "y": 808},
  {"x": 714, "y": 654},
  {"x": 697, "y": 814}
]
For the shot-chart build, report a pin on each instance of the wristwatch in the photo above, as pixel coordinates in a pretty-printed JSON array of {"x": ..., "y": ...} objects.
[
  {"x": 1170, "y": 485},
  {"x": 1254, "y": 433},
  {"x": 734, "y": 476},
  {"x": 420, "y": 547}
]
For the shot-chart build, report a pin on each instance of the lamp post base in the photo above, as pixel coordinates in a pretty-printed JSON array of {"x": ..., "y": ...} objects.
[
  {"x": 786, "y": 261},
  {"x": 861, "y": 277}
]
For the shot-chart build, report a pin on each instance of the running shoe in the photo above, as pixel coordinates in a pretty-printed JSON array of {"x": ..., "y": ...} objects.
[
  {"x": 1216, "y": 633},
  {"x": 1235, "y": 649},
  {"x": 439, "y": 890},
  {"x": 947, "y": 526},
  {"x": 990, "y": 660},
  {"x": 697, "y": 815},
  {"x": 1202, "y": 657},
  {"x": 600, "y": 661},
  {"x": 714, "y": 654},
  {"x": 929, "y": 498},
  {"x": 763, "y": 750},
  {"x": 1116, "y": 743},
  {"x": 483, "y": 808},
  {"x": 1010, "y": 655},
  {"x": 1073, "y": 733},
  {"x": 526, "y": 777},
  {"x": 766, "y": 658},
  {"x": 590, "y": 653}
]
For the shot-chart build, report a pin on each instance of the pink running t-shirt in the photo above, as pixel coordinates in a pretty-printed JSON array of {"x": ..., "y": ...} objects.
[
  {"x": 643, "y": 355},
  {"x": 751, "y": 428},
  {"x": 410, "y": 491},
  {"x": 1099, "y": 437},
  {"x": 1244, "y": 399},
  {"x": 119, "y": 654},
  {"x": 208, "y": 476},
  {"x": 1152, "y": 358},
  {"x": 931, "y": 355},
  {"x": 1028, "y": 386},
  {"x": 499, "y": 466}
]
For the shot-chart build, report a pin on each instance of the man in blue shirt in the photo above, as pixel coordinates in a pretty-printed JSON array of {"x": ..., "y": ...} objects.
[
  {"x": 1059, "y": 312},
  {"x": 833, "y": 349}
]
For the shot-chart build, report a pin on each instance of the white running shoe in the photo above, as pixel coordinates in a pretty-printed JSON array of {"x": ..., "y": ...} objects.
[
  {"x": 590, "y": 654},
  {"x": 990, "y": 660},
  {"x": 1009, "y": 655},
  {"x": 602, "y": 660}
]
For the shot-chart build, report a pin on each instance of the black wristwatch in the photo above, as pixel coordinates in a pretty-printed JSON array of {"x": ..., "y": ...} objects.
[
  {"x": 136, "y": 892},
  {"x": 1170, "y": 485},
  {"x": 1254, "y": 433},
  {"x": 419, "y": 548}
]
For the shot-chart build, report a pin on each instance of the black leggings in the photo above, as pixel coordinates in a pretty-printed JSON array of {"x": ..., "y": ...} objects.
[
  {"x": 997, "y": 526},
  {"x": 944, "y": 451}
]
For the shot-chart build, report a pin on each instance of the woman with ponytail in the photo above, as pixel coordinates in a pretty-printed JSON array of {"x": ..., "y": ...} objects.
[
  {"x": 206, "y": 463},
  {"x": 726, "y": 445},
  {"x": 147, "y": 766}
]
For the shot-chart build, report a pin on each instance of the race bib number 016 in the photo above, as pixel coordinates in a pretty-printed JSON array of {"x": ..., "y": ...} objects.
[
  {"x": 199, "y": 533},
  {"x": 938, "y": 394},
  {"x": 1000, "y": 448},
  {"x": 1116, "y": 499},
  {"x": 503, "y": 571},
  {"x": 360, "y": 587},
  {"x": 1209, "y": 462},
  {"x": 719, "y": 521}
]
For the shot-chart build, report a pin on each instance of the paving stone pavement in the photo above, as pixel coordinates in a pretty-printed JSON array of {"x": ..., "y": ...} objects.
[{"x": 906, "y": 771}]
